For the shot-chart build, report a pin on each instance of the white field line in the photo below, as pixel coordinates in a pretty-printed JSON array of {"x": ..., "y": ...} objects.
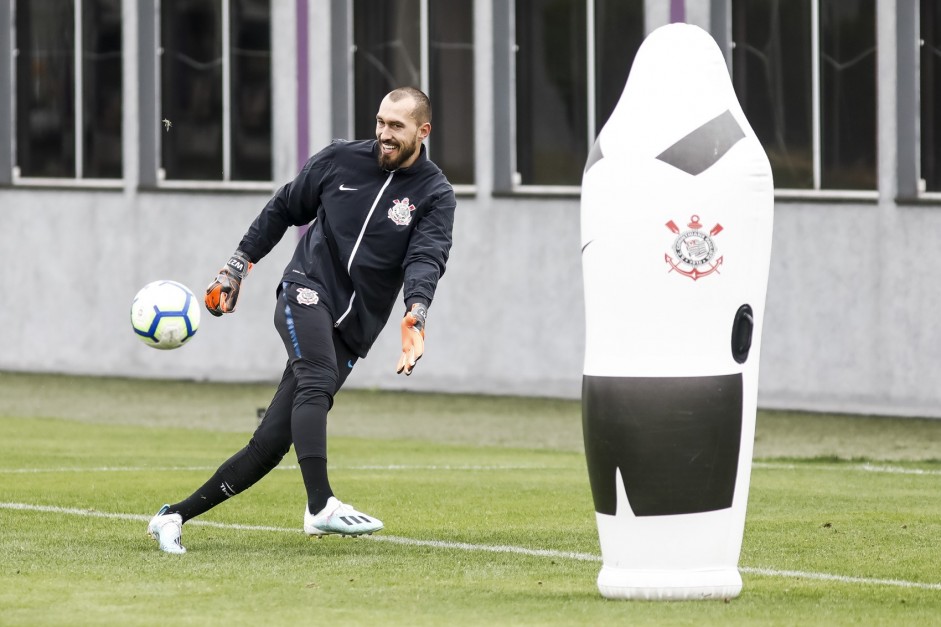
[
  {"x": 462, "y": 468},
  {"x": 873, "y": 468},
  {"x": 798, "y": 574},
  {"x": 464, "y": 546},
  {"x": 867, "y": 467}
]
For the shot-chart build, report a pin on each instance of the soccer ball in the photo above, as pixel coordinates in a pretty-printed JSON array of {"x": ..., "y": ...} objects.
[{"x": 165, "y": 314}]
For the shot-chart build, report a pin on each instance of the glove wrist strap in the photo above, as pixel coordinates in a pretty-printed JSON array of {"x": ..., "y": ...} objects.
[
  {"x": 419, "y": 312},
  {"x": 238, "y": 264}
]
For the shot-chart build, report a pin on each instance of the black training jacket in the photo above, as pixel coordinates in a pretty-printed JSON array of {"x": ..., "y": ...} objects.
[{"x": 372, "y": 231}]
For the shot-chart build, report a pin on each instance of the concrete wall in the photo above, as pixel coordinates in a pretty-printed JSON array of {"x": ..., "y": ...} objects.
[{"x": 849, "y": 323}]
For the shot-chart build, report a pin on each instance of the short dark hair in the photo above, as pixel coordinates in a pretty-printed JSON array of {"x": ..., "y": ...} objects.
[{"x": 422, "y": 109}]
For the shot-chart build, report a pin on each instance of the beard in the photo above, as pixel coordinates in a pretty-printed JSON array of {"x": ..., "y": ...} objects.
[{"x": 403, "y": 152}]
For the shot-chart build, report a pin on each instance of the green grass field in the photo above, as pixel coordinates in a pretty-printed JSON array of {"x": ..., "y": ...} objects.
[{"x": 488, "y": 513}]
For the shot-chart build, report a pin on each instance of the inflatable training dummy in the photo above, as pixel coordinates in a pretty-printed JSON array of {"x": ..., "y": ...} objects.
[{"x": 676, "y": 216}]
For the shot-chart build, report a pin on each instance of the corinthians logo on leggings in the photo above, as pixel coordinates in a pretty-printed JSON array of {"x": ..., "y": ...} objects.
[{"x": 307, "y": 296}]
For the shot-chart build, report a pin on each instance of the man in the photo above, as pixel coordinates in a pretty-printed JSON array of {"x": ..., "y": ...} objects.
[{"x": 380, "y": 215}]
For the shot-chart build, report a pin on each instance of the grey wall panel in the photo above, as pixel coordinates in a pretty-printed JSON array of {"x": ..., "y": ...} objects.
[{"x": 849, "y": 325}]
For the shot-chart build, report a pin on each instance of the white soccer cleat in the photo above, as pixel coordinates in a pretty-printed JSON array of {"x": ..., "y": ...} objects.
[
  {"x": 167, "y": 529},
  {"x": 338, "y": 517}
]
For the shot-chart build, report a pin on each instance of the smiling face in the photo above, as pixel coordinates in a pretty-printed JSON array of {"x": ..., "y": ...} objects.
[{"x": 399, "y": 133}]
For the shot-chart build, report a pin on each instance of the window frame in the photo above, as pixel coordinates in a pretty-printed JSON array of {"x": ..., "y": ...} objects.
[
  {"x": 506, "y": 177},
  {"x": 348, "y": 125},
  {"x": 151, "y": 174},
  {"x": 7, "y": 77},
  {"x": 9, "y": 170},
  {"x": 818, "y": 192},
  {"x": 911, "y": 187}
]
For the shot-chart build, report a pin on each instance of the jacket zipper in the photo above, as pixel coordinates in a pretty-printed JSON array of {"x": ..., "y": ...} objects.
[{"x": 358, "y": 241}]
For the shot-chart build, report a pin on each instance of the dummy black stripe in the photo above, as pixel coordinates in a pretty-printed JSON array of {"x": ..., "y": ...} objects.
[
  {"x": 701, "y": 149},
  {"x": 676, "y": 441}
]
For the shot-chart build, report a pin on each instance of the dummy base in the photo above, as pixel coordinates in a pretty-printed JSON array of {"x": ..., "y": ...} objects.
[{"x": 666, "y": 585}]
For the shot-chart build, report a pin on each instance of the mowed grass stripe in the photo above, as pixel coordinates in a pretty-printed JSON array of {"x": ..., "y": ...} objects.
[
  {"x": 757, "y": 465},
  {"x": 406, "y": 467},
  {"x": 868, "y": 467},
  {"x": 465, "y": 546}
]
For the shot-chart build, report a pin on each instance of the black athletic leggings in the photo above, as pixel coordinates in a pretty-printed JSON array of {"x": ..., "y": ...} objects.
[{"x": 318, "y": 365}]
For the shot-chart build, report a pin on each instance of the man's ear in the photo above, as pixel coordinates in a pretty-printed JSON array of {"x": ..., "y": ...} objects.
[{"x": 424, "y": 130}]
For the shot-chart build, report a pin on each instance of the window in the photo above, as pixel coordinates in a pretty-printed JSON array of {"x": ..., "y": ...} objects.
[
  {"x": 568, "y": 80},
  {"x": 423, "y": 44},
  {"x": 68, "y": 77},
  {"x": 931, "y": 95},
  {"x": 805, "y": 73},
  {"x": 619, "y": 31},
  {"x": 216, "y": 90},
  {"x": 551, "y": 91}
]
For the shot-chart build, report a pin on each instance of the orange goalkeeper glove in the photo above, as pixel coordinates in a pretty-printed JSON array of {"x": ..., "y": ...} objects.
[
  {"x": 223, "y": 292},
  {"x": 413, "y": 338}
]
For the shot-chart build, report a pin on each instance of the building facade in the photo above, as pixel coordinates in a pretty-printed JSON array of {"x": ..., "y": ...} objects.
[{"x": 138, "y": 139}]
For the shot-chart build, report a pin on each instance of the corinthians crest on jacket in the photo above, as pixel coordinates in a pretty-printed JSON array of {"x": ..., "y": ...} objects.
[
  {"x": 693, "y": 250},
  {"x": 401, "y": 212}
]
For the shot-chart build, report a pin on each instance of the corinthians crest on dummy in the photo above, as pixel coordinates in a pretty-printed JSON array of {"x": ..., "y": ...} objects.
[
  {"x": 693, "y": 250},
  {"x": 676, "y": 216}
]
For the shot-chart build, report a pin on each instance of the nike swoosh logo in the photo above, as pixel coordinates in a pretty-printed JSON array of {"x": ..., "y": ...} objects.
[
  {"x": 344, "y": 188},
  {"x": 350, "y": 363}
]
